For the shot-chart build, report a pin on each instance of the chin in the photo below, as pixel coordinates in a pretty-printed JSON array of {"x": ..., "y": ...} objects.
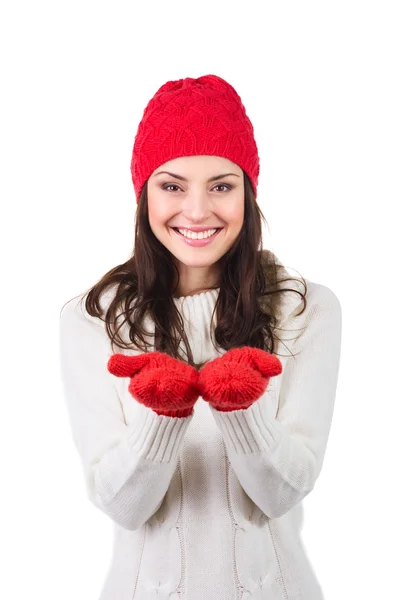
[{"x": 198, "y": 263}]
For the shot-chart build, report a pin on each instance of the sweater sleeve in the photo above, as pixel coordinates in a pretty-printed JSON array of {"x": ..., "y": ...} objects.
[
  {"x": 127, "y": 466},
  {"x": 278, "y": 460}
]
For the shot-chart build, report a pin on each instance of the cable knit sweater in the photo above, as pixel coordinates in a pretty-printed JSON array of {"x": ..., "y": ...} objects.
[{"x": 206, "y": 507}]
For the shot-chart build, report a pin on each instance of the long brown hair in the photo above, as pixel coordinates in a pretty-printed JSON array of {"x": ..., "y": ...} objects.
[{"x": 246, "y": 306}]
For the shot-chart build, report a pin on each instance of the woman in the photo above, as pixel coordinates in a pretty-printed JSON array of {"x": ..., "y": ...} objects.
[{"x": 201, "y": 390}]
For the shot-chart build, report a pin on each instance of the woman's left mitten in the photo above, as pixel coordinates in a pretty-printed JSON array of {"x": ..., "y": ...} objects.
[{"x": 238, "y": 378}]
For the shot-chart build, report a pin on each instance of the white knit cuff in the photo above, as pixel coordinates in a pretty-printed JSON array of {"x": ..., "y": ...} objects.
[
  {"x": 249, "y": 430},
  {"x": 157, "y": 437}
]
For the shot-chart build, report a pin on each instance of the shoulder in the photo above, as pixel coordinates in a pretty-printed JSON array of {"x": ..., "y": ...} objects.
[
  {"x": 322, "y": 296},
  {"x": 293, "y": 288},
  {"x": 318, "y": 297},
  {"x": 76, "y": 324},
  {"x": 74, "y": 310},
  {"x": 304, "y": 305},
  {"x": 317, "y": 322}
]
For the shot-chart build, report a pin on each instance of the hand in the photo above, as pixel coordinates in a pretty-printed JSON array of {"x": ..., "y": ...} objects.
[
  {"x": 237, "y": 378},
  {"x": 161, "y": 382}
]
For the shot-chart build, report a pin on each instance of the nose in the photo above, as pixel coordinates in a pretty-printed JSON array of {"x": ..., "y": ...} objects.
[{"x": 197, "y": 206}]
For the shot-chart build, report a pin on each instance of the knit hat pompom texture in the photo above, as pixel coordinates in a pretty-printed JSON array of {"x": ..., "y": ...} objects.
[{"x": 193, "y": 117}]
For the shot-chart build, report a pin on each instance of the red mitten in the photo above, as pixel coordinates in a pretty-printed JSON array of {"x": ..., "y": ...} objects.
[
  {"x": 163, "y": 383},
  {"x": 237, "y": 378}
]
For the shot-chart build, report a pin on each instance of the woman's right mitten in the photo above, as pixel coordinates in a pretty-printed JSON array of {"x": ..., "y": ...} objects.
[{"x": 161, "y": 382}]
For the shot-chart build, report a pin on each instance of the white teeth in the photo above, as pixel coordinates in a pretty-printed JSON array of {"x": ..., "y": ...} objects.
[{"x": 197, "y": 235}]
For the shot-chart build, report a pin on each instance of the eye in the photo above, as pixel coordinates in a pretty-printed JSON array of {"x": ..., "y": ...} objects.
[
  {"x": 174, "y": 185},
  {"x": 227, "y": 186},
  {"x": 165, "y": 187}
]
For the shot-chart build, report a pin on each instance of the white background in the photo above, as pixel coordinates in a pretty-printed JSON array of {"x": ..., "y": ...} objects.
[{"x": 324, "y": 84}]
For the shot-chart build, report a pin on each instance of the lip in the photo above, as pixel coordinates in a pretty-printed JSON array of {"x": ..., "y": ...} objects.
[
  {"x": 197, "y": 243},
  {"x": 197, "y": 228}
]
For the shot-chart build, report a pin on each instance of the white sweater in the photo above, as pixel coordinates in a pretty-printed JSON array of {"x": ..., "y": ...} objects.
[{"x": 206, "y": 507}]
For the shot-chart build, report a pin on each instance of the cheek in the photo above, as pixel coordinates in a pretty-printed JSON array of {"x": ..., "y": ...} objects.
[
  {"x": 234, "y": 216},
  {"x": 157, "y": 212},
  {"x": 233, "y": 210}
]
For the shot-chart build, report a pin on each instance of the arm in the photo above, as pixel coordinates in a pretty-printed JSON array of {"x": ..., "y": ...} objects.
[
  {"x": 127, "y": 467},
  {"x": 278, "y": 460}
]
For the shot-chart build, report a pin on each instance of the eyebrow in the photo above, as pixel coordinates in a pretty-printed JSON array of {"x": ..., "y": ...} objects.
[{"x": 185, "y": 179}]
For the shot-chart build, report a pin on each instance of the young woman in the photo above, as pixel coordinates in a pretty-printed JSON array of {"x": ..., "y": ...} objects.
[{"x": 200, "y": 389}]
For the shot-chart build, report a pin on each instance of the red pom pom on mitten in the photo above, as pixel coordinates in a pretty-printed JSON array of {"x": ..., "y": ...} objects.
[
  {"x": 159, "y": 381},
  {"x": 238, "y": 378}
]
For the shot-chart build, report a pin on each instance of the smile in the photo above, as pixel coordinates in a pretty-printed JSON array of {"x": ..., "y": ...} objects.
[{"x": 192, "y": 240}]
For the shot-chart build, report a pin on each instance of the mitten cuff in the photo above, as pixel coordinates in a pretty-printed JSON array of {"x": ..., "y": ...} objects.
[{"x": 180, "y": 412}]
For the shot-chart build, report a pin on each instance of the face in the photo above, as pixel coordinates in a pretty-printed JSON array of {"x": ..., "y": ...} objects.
[{"x": 201, "y": 192}]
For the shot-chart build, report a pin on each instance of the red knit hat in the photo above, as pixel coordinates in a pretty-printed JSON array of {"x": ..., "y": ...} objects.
[{"x": 193, "y": 117}]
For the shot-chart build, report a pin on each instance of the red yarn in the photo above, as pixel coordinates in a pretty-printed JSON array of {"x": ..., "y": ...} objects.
[
  {"x": 189, "y": 117},
  {"x": 238, "y": 378},
  {"x": 170, "y": 387},
  {"x": 159, "y": 381}
]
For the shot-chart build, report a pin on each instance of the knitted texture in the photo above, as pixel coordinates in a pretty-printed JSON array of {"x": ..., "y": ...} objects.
[
  {"x": 185, "y": 117},
  {"x": 159, "y": 381},
  {"x": 206, "y": 507},
  {"x": 170, "y": 387},
  {"x": 238, "y": 378}
]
